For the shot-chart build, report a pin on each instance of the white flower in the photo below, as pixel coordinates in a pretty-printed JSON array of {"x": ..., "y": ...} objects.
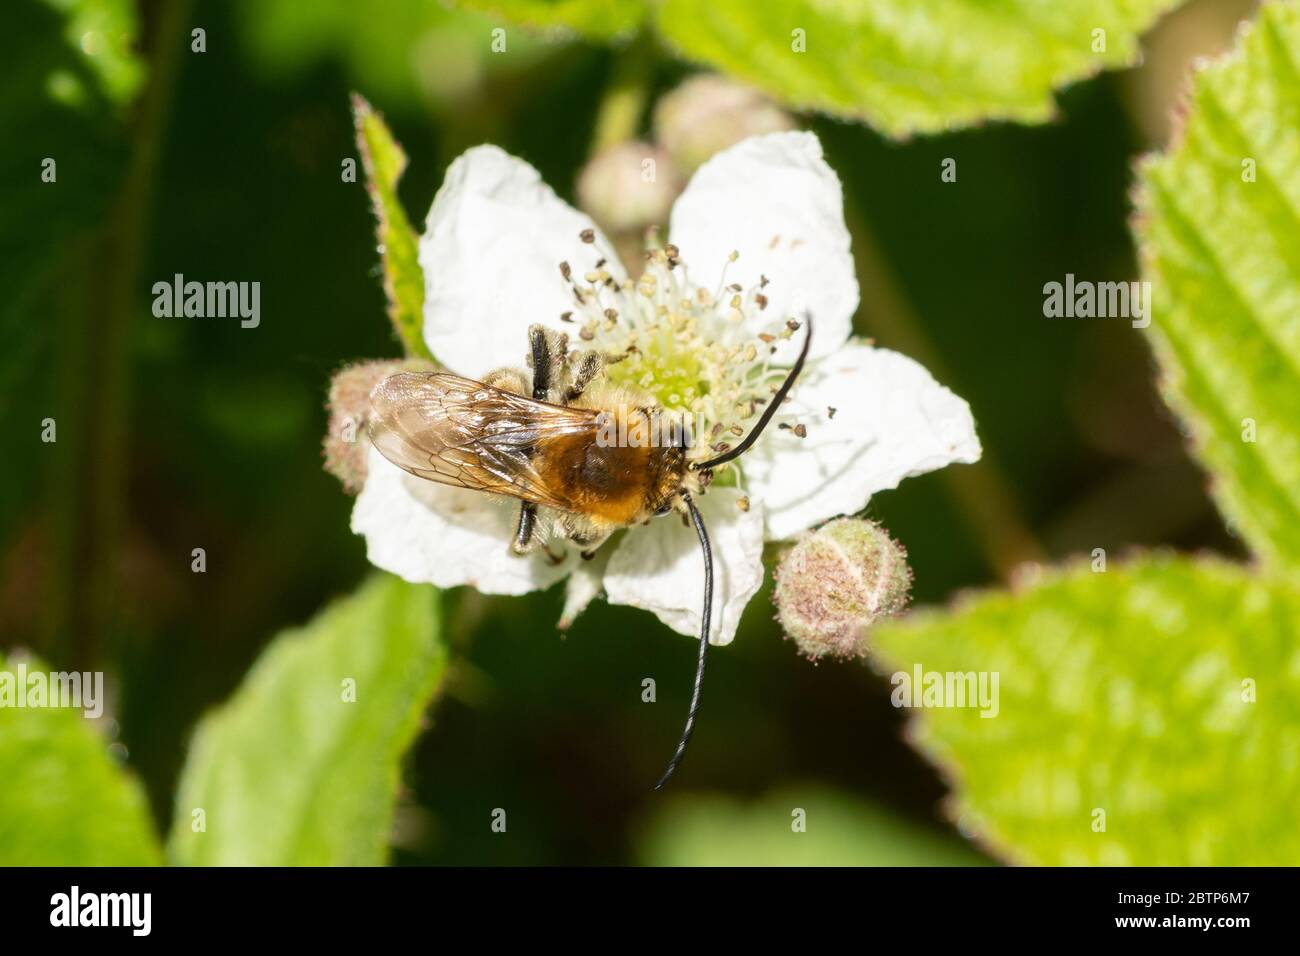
[{"x": 758, "y": 240}]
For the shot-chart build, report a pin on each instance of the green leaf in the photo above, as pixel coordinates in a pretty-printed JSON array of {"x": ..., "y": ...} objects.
[
  {"x": 1165, "y": 694},
  {"x": 289, "y": 772},
  {"x": 838, "y": 831},
  {"x": 64, "y": 801},
  {"x": 908, "y": 66},
  {"x": 104, "y": 32},
  {"x": 384, "y": 163},
  {"x": 1222, "y": 254},
  {"x": 596, "y": 19}
]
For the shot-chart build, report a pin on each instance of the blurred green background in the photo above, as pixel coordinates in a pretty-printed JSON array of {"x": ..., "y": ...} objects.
[{"x": 177, "y": 434}]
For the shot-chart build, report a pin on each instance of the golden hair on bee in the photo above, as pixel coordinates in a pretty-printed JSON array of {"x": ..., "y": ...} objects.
[{"x": 583, "y": 458}]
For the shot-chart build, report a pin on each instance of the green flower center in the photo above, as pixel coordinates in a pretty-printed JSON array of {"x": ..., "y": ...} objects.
[
  {"x": 663, "y": 370},
  {"x": 695, "y": 353}
]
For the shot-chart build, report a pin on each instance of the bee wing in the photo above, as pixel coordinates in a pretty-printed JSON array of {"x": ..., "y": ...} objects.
[{"x": 460, "y": 432}]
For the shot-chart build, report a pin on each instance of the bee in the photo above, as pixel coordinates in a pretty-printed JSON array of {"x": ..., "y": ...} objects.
[{"x": 545, "y": 442}]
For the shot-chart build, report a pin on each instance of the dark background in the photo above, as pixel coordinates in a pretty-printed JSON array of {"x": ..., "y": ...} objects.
[{"x": 184, "y": 433}]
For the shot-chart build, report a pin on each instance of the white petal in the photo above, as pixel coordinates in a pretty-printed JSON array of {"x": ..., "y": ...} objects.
[
  {"x": 660, "y": 567},
  {"x": 426, "y": 532},
  {"x": 583, "y": 586},
  {"x": 491, "y": 254},
  {"x": 892, "y": 420},
  {"x": 774, "y": 200}
]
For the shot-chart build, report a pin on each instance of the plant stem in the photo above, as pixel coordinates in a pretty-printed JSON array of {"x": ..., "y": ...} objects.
[
  {"x": 97, "y": 376},
  {"x": 618, "y": 118}
]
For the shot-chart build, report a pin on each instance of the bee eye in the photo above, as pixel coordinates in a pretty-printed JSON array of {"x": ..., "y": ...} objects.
[{"x": 664, "y": 508}]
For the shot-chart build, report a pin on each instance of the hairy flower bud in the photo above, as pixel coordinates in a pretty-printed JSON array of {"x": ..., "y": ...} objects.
[
  {"x": 628, "y": 187},
  {"x": 345, "y": 445},
  {"x": 836, "y": 582},
  {"x": 708, "y": 113}
]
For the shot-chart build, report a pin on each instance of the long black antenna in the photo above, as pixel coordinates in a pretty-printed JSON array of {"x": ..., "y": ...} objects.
[
  {"x": 767, "y": 412},
  {"x": 691, "y": 714}
]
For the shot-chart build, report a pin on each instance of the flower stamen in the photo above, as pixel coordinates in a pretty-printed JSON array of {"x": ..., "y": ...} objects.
[{"x": 693, "y": 352}]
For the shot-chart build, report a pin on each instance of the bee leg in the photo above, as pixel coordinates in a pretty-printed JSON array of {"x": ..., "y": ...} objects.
[
  {"x": 524, "y": 537},
  {"x": 527, "y": 536},
  {"x": 589, "y": 543},
  {"x": 508, "y": 380},
  {"x": 590, "y": 364},
  {"x": 547, "y": 351}
]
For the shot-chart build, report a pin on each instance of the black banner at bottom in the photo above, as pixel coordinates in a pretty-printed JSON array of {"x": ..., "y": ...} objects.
[{"x": 335, "y": 906}]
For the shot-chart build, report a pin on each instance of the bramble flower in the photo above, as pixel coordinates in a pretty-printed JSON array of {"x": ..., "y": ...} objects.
[
  {"x": 345, "y": 448},
  {"x": 838, "y": 581},
  {"x": 628, "y": 187},
  {"x": 709, "y": 112},
  {"x": 708, "y": 330}
]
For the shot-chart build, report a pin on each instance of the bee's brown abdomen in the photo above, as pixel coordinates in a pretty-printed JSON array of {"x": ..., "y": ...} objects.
[{"x": 618, "y": 485}]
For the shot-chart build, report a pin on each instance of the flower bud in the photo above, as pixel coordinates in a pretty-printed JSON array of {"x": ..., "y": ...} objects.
[
  {"x": 629, "y": 186},
  {"x": 708, "y": 113},
  {"x": 836, "y": 582},
  {"x": 346, "y": 445}
]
